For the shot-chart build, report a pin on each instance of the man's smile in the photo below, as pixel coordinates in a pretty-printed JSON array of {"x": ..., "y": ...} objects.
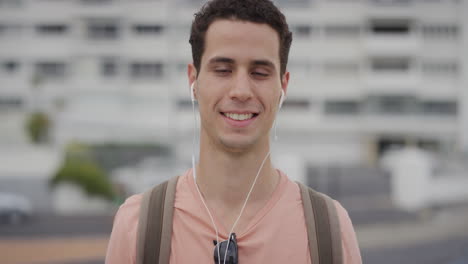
[{"x": 239, "y": 117}]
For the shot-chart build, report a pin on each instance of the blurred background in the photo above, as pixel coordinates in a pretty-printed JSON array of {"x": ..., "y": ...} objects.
[{"x": 95, "y": 107}]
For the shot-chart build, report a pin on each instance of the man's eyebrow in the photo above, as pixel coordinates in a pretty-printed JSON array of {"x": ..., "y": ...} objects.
[
  {"x": 264, "y": 63},
  {"x": 221, "y": 60}
]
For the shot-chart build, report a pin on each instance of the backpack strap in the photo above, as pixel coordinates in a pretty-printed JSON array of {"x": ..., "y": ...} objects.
[
  {"x": 154, "y": 237},
  {"x": 323, "y": 229}
]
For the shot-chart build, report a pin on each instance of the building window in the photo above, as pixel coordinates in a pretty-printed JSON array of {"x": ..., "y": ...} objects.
[
  {"x": 392, "y": 104},
  {"x": 390, "y": 64},
  {"x": 440, "y": 68},
  {"x": 52, "y": 29},
  {"x": 104, "y": 30},
  {"x": 11, "y": 3},
  {"x": 340, "y": 67},
  {"x": 302, "y": 31},
  {"x": 390, "y": 26},
  {"x": 342, "y": 30},
  {"x": 392, "y": 2},
  {"x": 303, "y": 68},
  {"x": 439, "y": 107},
  {"x": 10, "y": 67},
  {"x": 185, "y": 104},
  {"x": 146, "y": 70},
  {"x": 342, "y": 107},
  {"x": 10, "y": 29},
  {"x": 10, "y": 102},
  {"x": 296, "y": 104},
  {"x": 441, "y": 1},
  {"x": 109, "y": 67},
  {"x": 148, "y": 29},
  {"x": 193, "y": 2},
  {"x": 440, "y": 31},
  {"x": 292, "y": 3},
  {"x": 51, "y": 70},
  {"x": 93, "y": 2}
]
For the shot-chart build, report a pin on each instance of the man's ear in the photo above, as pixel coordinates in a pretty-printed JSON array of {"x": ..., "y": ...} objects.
[
  {"x": 192, "y": 78},
  {"x": 285, "y": 82}
]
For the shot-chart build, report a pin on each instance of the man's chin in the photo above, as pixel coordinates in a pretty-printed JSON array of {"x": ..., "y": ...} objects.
[{"x": 238, "y": 145}]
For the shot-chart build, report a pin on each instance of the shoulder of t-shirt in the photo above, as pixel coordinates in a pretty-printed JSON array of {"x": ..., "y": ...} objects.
[
  {"x": 351, "y": 253},
  {"x": 130, "y": 207},
  {"x": 122, "y": 243},
  {"x": 127, "y": 215}
]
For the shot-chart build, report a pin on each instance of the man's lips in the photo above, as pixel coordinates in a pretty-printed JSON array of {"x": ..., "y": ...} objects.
[
  {"x": 239, "y": 116},
  {"x": 240, "y": 119}
]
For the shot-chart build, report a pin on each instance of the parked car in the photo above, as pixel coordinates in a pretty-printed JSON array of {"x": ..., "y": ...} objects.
[{"x": 14, "y": 208}]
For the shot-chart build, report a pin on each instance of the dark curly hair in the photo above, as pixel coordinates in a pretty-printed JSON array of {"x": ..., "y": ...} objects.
[{"x": 257, "y": 11}]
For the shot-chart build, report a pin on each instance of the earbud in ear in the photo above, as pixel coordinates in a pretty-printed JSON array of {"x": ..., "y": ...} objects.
[
  {"x": 281, "y": 99},
  {"x": 192, "y": 92}
]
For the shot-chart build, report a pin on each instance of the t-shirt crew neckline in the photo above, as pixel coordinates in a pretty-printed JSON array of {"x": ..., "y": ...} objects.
[{"x": 223, "y": 232}]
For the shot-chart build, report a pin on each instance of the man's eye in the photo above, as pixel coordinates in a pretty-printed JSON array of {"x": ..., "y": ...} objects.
[
  {"x": 222, "y": 70},
  {"x": 260, "y": 74}
]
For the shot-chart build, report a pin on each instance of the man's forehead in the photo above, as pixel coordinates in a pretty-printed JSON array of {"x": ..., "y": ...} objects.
[
  {"x": 229, "y": 27},
  {"x": 235, "y": 39}
]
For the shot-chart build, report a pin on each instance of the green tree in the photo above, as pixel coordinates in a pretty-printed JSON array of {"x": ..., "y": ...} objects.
[
  {"x": 37, "y": 127},
  {"x": 80, "y": 169}
]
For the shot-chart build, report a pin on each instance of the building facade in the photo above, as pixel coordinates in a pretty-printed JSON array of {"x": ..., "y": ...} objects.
[{"x": 366, "y": 75}]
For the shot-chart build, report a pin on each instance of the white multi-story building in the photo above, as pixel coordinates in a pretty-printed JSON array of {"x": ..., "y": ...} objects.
[{"x": 365, "y": 74}]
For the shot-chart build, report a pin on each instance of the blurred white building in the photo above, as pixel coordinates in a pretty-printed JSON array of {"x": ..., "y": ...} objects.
[{"x": 365, "y": 74}]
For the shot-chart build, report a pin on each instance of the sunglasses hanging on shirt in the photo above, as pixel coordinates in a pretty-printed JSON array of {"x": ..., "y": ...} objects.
[{"x": 220, "y": 254}]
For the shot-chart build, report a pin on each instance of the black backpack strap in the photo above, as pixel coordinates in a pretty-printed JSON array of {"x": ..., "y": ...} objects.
[
  {"x": 323, "y": 229},
  {"x": 155, "y": 224}
]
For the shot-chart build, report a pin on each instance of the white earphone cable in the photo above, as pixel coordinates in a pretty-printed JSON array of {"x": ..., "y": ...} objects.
[
  {"x": 208, "y": 210},
  {"x": 245, "y": 203},
  {"x": 195, "y": 129},
  {"x": 198, "y": 189}
]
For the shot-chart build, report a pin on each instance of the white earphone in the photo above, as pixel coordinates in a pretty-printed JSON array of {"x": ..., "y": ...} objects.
[
  {"x": 192, "y": 92},
  {"x": 281, "y": 99}
]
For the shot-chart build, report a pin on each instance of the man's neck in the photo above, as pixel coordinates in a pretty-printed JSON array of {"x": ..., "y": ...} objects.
[{"x": 225, "y": 178}]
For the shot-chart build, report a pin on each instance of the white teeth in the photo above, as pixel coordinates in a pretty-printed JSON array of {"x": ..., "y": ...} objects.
[{"x": 239, "y": 117}]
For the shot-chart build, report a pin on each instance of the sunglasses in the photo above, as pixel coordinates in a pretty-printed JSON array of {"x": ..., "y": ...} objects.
[{"x": 231, "y": 254}]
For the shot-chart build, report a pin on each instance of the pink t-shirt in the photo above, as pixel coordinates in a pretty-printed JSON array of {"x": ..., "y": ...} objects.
[{"x": 277, "y": 234}]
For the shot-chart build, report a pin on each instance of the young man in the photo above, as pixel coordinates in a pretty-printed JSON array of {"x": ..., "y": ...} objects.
[{"x": 238, "y": 76}]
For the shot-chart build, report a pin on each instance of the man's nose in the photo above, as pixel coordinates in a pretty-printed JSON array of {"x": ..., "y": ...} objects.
[{"x": 241, "y": 88}]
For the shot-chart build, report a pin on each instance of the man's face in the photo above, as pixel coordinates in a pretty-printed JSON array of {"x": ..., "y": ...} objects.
[{"x": 239, "y": 84}]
